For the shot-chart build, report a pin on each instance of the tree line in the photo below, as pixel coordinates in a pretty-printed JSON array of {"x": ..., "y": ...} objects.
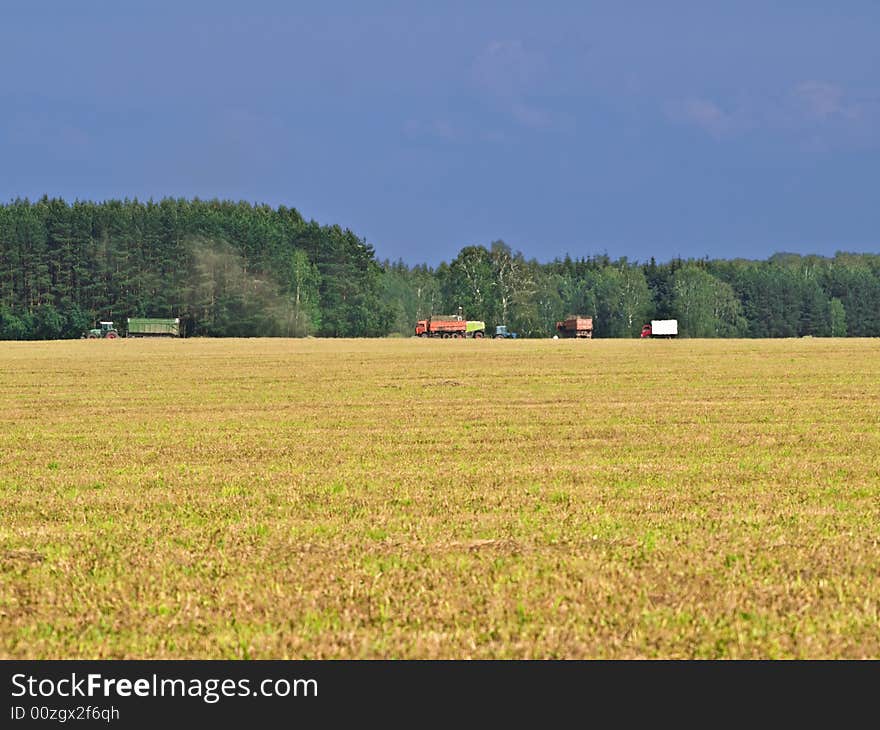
[
  {"x": 787, "y": 295},
  {"x": 224, "y": 268},
  {"x": 236, "y": 269}
]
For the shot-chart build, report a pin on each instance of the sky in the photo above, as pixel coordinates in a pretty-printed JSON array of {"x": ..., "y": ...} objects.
[{"x": 637, "y": 129}]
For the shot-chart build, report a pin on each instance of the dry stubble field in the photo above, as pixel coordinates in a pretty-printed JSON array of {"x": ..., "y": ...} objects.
[{"x": 408, "y": 498}]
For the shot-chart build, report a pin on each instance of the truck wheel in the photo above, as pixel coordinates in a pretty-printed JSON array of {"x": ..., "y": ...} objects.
[
  {"x": 445, "y": 335},
  {"x": 424, "y": 334}
]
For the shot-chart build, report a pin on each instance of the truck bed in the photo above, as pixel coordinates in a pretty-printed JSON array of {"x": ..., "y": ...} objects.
[{"x": 447, "y": 325}]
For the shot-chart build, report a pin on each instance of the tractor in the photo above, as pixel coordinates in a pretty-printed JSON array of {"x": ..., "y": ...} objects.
[
  {"x": 501, "y": 333},
  {"x": 106, "y": 332}
]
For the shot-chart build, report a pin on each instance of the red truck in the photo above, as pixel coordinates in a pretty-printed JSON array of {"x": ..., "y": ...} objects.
[
  {"x": 575, "y": 326},
  {"x": 661, "y": 328}
]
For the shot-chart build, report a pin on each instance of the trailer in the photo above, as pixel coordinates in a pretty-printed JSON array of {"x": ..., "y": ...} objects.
[
  {"x": 575, "y": 325},
  {"x": 661, "y": 328},
  {"x": 152, "y": 327},
  {"x": 449, "y": 325}
]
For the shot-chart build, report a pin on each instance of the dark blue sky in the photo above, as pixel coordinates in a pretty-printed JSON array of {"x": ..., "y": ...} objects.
[{"x": 633, "y": 129}]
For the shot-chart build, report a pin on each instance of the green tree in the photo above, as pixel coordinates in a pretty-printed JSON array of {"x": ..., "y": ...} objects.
[
  {"x": 469, "y": 283},
  {"x": 48, "y": 323},
  {"x": 12, "y": 327},
  {"x": 304, "y": 288},
  {"x": 412, "y": 294},
  {"x": 513, "y": 284},
  {"x": 705, "y": 305},
  {"x": 837, "y": 315},
  {"x": 548, "y": 301},
  {"x": 852, "y": 280}
]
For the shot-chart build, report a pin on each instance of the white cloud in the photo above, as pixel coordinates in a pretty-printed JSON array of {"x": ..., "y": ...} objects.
[
  {"x": 530, "y": 116},
  {"x": 443, "y": 129},
  {"x": 822, "y": 101},
  {"x": 507, "y": 73},
  {"x": 505, "y": 68},
  {"x": 42, "y": 128},
  {"x": 817, "y": 112},
  {"x": 704, "y": 114},
  {"x": 438, "y": 128}
]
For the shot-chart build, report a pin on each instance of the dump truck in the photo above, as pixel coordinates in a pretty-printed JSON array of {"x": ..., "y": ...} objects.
[
  {"x": 105, "y": 331},
  {"x": 502, "y": 333},
  {"x": 152, "y": 327},
  {"x": 449, "y": 325},
  {"x": 575, "y": 325},
  {"x": 661, "y": 328}
]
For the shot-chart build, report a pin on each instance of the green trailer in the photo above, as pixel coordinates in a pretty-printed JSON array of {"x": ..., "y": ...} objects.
[{"x": 151, "y": 327}]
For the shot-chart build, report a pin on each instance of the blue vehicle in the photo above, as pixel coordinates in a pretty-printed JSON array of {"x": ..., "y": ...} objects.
[{"x": 501, "y": 333}]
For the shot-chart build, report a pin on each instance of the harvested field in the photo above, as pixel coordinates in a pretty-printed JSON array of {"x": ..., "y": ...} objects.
[{"x": 274, "y": 498}]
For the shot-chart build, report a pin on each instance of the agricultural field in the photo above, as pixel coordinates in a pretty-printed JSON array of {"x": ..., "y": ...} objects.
[{"x": 402, "y": 498}]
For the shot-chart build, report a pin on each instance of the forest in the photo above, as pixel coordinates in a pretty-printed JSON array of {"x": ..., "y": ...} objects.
[{"x": 235, "y": 269}]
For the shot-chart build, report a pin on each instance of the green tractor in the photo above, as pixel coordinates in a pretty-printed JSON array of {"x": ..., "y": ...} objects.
[
  {"x": 106, "y": 332},
  {"x": 502, "y": 333}
]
